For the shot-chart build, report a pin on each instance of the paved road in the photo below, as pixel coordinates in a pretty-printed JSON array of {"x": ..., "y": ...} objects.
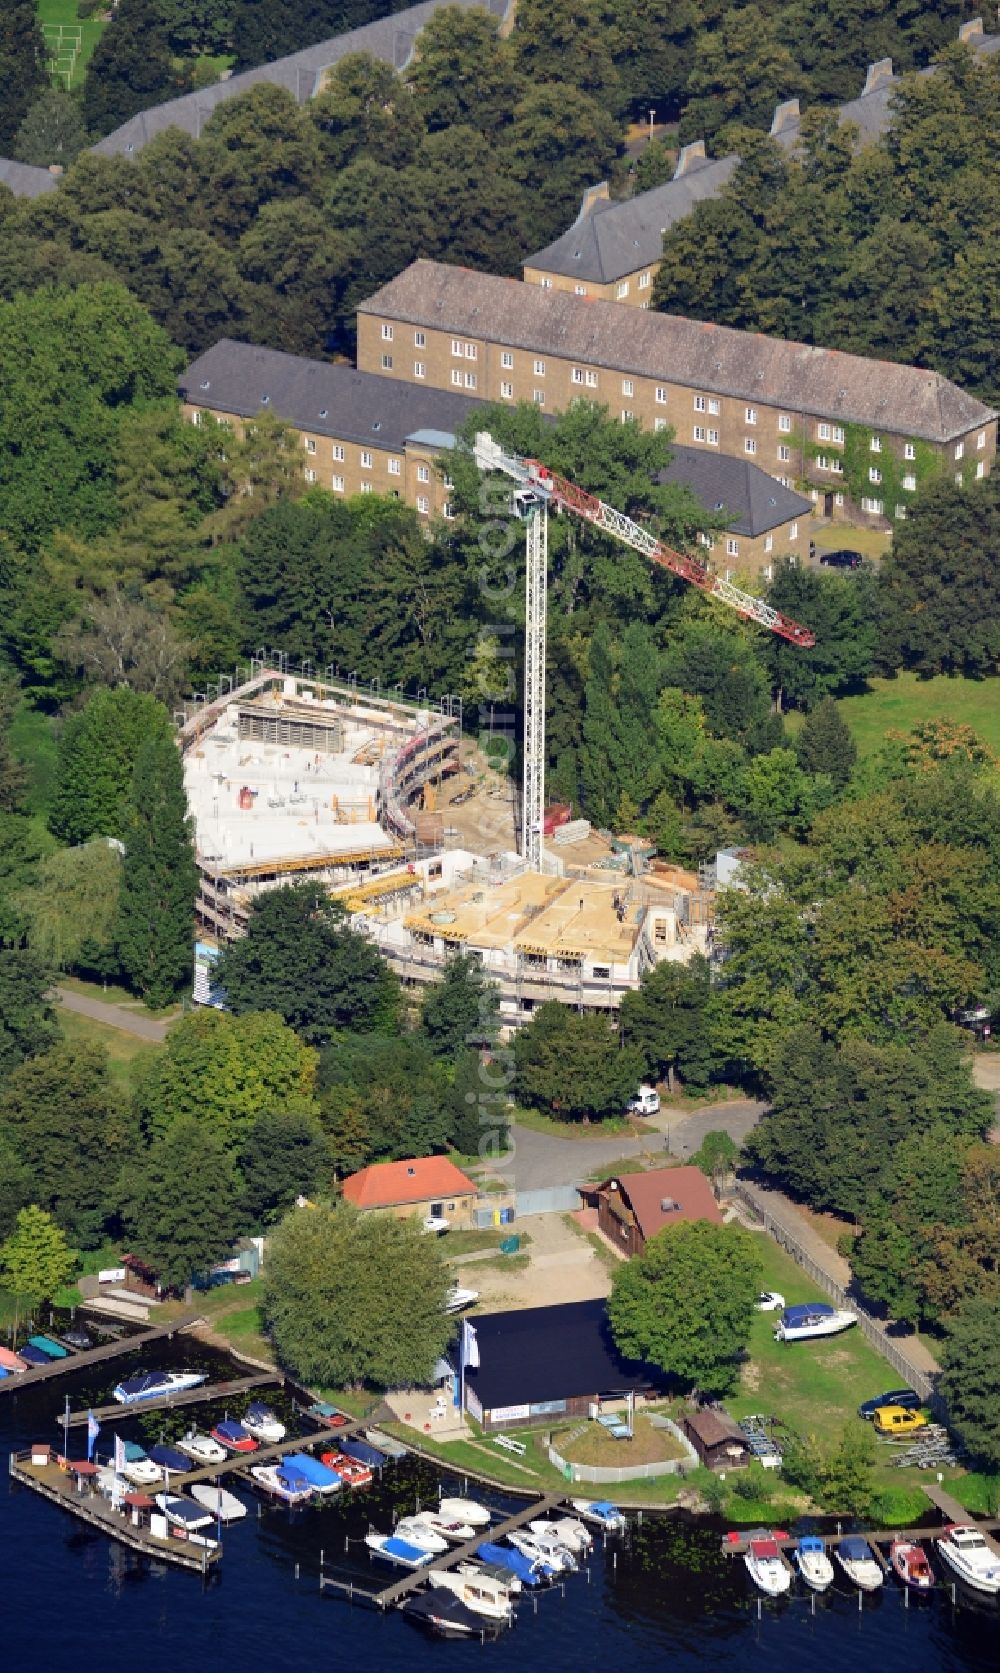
[
  {"x": 544, "y": 1159},
  {"x": 113, "y": 1016}
]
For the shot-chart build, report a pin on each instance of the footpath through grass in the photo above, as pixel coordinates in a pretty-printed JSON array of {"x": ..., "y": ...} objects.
[{"x": 56, "y": 15}]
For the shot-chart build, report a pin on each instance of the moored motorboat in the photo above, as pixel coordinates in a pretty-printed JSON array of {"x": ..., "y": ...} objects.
[
  {"x": 291, "y": 1489},
  {"x": 184, "y": 1513},
  {"x": 456, "y": 1533},
  {"x": 351, "y": 1473},
  {"x": 202, "y": 1448},
  {"x": 260, "y": 1422},
  {"x": 170, "y": 1459},
  {"x": 908, "y": 1561},
  {"x": 482, "y": 1593},
  {"x": 466, "y": 1510},
  {"x": 30, "y": 1356},
  {"x": 10, "y": 1361},
  {"x": 601, "y": 1513},
  {"x": 399, "y": 1551},
  {"x": 233, "y": 1437},
  {"x": 155, "y": 1385},
  {"x": 223, "y": 1506},
  {"x": 566, "y": 1530},
  {"x": 813, "y": 1563},
  {"x": 810, "y": 1319},
  {"x": 138, "y": 1468},
  {"x": 768, "y": 1569},
  {"x": 502, "y": 1573},
  {"x": 970, "y": 1556},
  {"x": 416, "y": 1533},
  {"x": 442, "y": 1613},
  {"x": 363, "y": 1452},
  {"x": 854, "y": 1555},
  {"x": 551, "y": 1551},
  {"x": 529, "y": 1571},
  {"x": 321, "y": 1479},
  {"x": 386, "y": 1444},
  {"x": 49, "y": 1346}
]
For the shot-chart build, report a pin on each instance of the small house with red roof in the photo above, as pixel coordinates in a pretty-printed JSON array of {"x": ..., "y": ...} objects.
[
  {"x": 633, "y": 1207},
  {"x": 423, "y": 1187}
]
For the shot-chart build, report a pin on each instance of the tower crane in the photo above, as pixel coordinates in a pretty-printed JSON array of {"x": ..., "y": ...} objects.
[{"x": 537, "y": 489}]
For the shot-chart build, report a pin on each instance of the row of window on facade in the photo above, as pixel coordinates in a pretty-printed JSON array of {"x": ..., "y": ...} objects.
[{"x": 643, "y": 281}]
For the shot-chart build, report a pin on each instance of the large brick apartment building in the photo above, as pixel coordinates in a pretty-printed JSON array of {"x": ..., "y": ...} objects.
[{"x": 857, "y": 433}]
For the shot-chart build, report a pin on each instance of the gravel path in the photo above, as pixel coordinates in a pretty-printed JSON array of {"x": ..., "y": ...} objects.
[{"x": 112, "y": 1016}]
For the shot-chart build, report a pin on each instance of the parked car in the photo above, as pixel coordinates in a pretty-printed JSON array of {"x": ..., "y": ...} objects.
[
  {"x": 435, "y": 1223},
  {"x": 898, "y": 1420},
  {"x": 843, "y": 558},
  {"x": 645, "y": 1102},
  {"x": 908, "y": 1398},
  {"x": 770, "y": 1301}
]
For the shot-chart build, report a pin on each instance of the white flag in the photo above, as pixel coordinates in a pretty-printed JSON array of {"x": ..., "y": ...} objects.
[
  {"x": 470, "y": 1346},
  {"x": 119, "y": 1455}
]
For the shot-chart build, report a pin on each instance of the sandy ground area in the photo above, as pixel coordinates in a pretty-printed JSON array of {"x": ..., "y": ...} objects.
[{"x": 562, "y": 1266}]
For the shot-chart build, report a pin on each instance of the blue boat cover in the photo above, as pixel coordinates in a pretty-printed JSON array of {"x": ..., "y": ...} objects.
[
  {"x": 363, "y": 1453},
  {"x": 184, "y": 1511},
  {"x": 230, "y": 1430},
  {"x": 394, "y": 1547},
  {"x": 319, "y": 1474},
  {"x": 257, "y": 1408},
  {"x": 805, "y": 1310},
  {"x": 811, "y": 1542},
  {"x": 33, "y": 1356},
  {"x": 854, "y": 1548},
  {"x": 134, "y": 1453},
  {"x": 144, "y": 1382},
  {"x": 169, "y": 1458},
  {"x": 53, "y": 1349},
  {"x": 515, "y": 1562}
]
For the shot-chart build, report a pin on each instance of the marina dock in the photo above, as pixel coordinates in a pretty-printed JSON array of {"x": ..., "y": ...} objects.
[
  {"x": 186, "y": 1397},
  {"x": 735, "y": 1544},
  {"x": 241, "y": 1462},
  {"x": 79, "y": 1359}
]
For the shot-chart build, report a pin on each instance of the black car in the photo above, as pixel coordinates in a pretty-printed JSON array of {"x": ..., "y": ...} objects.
[
  {"x": 843, "y": 558},
  {"x": 905, "y": 1397}
]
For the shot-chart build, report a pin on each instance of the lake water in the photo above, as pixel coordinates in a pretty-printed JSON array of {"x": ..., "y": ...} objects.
[{"x": 667, "y": 1598}]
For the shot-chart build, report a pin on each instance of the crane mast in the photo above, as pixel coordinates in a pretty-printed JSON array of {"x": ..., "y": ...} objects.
[{"x": 538, "y": 488}]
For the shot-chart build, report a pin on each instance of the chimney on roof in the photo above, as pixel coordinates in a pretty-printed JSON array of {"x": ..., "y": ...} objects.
[
  {"x": 971, "y": 31},
  {"x": 878, "y": 74},
  {"x": 785, "y": 116},
  {"x": 592, "y": 196},
  {"x": 690, "y": 155}
]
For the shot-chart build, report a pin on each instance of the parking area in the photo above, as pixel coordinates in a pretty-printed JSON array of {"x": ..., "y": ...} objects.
[{"x": 559, "y": 1264}]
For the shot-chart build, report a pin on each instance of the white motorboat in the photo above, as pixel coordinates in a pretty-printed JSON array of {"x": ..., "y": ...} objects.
[
  {"x": 397, "y": 1550},
  {"x": 260, "y": 1422},
  {"x": 813, "y": 1563},
  {"x": 601, "y": 1513},
  {"x": 142, "y": 1472},
  {"x": 202, "y": 1448},
  {"x": 456, "y": 1533},
  {"x": 768, "y": 1569},
  {"x": 482, "y": 1593},
  {"x": 970, "y": 1556},
  {"x": 551, "y": 1551},
  {"x": 810, "y": 1319},
  {"x": 155, "y": 1385},
  {"x": 222, "y": 1506},
  {"x": 565, "y": 1530},
  {"x": 183, "y": 1515},
  {"x": 498, "y": 1571},
  {"x": 417, "y": 1533},
  {"x": 291, "y": 1489},
  {"x": 459, "y": 1299},
  {"x": 854, "y": 1554},
  {"x": 465, "y": 1510}
]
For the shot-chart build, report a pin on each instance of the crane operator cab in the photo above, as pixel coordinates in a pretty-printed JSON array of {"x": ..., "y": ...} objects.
[{"x": 524, "y": 502}]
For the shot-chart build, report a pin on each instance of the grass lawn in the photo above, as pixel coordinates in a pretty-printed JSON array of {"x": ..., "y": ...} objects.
[
  {"x": 53, "y": 12},
  {"x": 649, "y": 1445},
  {"x": 110, "y": 994},
  {"x": 614, "y": 1126},
  {"x": 125, "y": 1052},
  {"x": 471, "y": 1242},
  {"x": 871, "y": 543},
  {"x": 904, "y": 702}
]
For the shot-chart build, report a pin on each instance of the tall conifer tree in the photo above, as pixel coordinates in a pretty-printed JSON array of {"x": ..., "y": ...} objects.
[{"x": 159, "y": 876}]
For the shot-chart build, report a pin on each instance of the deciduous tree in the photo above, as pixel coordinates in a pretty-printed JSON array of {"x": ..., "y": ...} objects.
[
  {"x": 97, "y": 760},
  {"x": 51, "y": 132},
  {"x": 71, "y": 908},
  {"x": 36, "y": 1257},
  {"x": 572, "y": 1065},
  {"x": 284, "y": 1155},
  {"x": 23, "y": 75},
  {"x": 227, "y": 1071},
  {"x": 181, "y": 1203},
  {"x": 462, "y": 1010},
  {"x": 970, "y": 1377},
  {"x": 159, "y": 876},
  {"x": 27, "y": 1024},
  {"x": 665, "y": 1017}
]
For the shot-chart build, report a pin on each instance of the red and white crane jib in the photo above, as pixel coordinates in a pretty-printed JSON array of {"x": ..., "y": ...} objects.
[{"x": 556, "y": 490}]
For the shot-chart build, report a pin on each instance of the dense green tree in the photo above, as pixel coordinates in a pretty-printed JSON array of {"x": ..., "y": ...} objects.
[
  {"x": 847, "y": 1473},
  {"x": 962, "y": 1259},
  {"x": 15, "y": 1184},
  {"x": 562, "y": 41},
  {"x": 71, "y": 908},
  {"x": 717, "y": 1156},
  {"x": 13, "y": 772},
  {"x": 301, "y": 959},
  {"x": 52, "y": 131},
  {"x": 198, "y": 26},
  {"x": 970, "y": 1377},
  {"x": 63, "y": 1118},
  {"x": 131, "y": 68},
  {"x": 98, "y": 753},
  {"x": 463, "y": 74},
  {"x": 36, "y": 1257},
  {"x": 923, "y": 1191},
  {"x": 665, "y": 1017},
  {"x": 181, "y": 1203},
  {"x": 940, "y": 612},
  {"x": 23, "y": 74},
  {"x": 27, "y": 1025},
  {"x": 227, "y": 1071},
  {"x": 825, "y": 744},
  {"x": 284, "y": 1155},
  {"x": 387, "y": 1095},
  {"x": 478, "y": 1105},
  {"x": 572, "y": 1065},
  {"x": 739, "y": 71},
  {"x": 842, "y": 611},
  {"x": 268, "y": 29},
  {"x": 159, "y": 876},
  {"x": 686, "y": 1304},
  {"x": 295, "y": 266},
  {"x": 710, "y": 658},
  {"x": 362, "y": 109},
  {"x": 462, "y": 1010},
  {"x": 355, "y": 1298},
  {"x": 118, "y": 640},
  {"x": 565, "y": 136}
]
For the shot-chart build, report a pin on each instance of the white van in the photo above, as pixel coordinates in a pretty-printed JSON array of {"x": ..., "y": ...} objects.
[{"x": 645, "y": 1102}]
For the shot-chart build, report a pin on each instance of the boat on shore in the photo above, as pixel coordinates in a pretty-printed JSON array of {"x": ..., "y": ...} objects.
[
  {"x": 399, "y": 1551},
  {"x": 908, "y": 1561},
  {"x": 970, "y": 1556},
  {"x": 813, "y": 1563},
  {"x": 155, "y": 1385},
  {"x": 767, "y": 1566},
  {"x": 222, "y": 1506},
  {"x": 600, "y": 1513},
  {"x": 854, "y": 1554},
  {"x": 811, "y": 1319},
  {"x": 290, "y": 1489}
]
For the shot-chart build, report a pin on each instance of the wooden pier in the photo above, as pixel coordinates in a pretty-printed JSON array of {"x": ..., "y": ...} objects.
[
  {"x": 57, "y": 1484},
  {"x": 735, "y": 1545},
  {"x": 78, "y": 1359},
  {"x": 243, "y": 1461},
  {"x": 391, "y": 1594},
  {"x": 186, "y": 1397}
]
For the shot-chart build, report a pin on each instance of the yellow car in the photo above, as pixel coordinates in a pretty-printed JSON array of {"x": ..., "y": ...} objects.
[{"x": 896, "y": 1420}]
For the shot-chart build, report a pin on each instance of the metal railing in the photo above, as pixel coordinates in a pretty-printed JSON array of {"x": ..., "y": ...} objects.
[{"x": 876, "y": 1334}]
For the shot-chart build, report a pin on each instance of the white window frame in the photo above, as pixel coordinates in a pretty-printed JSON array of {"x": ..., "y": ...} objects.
[
  {"x": 457, "y": 348},
  {"x": 538, "y": 397},
  {"x": 419, "y": 368},
  {"x": 751, "y": 415},
  {"x": 387, "y": 333},
  {"x": 910, "y": 483},
  {"x": 423, "y": 505},
  {"x": 960, "y": 450},
  {"x": 875, "y": 444},
  {"x": 621, "y": 290},
  {"x": 732, "y": 546},
  {"x": 366, "y": 459},
  {"x": 337, "y": 484},
  {"x": 423, "y": 473},
  {"x": 661, "y": 395},
  {"x": 576, "y": 375},
  {"x": 644, "y": 280},
  {"x": 874, "y": 475},
  {"x": 591, "y": 380},
  {"x": 387, "y": 363},
  {"x": 471, "y": 380},
  {"x": 785, "y": 454},
  {"x": 909, "y": 451},
  {"x": 793, "y": 532},
  {"x": 981, "y": 440},
  {"x": 420, "y": 339},
  {"x": 784, "y": 423},
  {"x": 539, "y": 368},
  {"x": 506, "y": 360},
  {"x": 579, "y": 290},
  {"x": 700, "y": 404},
  {"x": 749, "y": 444},
  {"x": 309, "y": 444},
  {"x": 769, "y": 543},
  {"x": 698, "y": 433},
  {"x": 714, "y": 407},
  {"x": 310, "y": 474},
  {"x": 471, "y": 351},
  {"x": 456, "y": 377},
  {"x": 339, "y": 453},
  {"x": 712, "y": 437},
  {"x": 823, "y": 432},
  {"x": 628, "y": 386},
  {"x": 395, "y": 467},
  {"x": 838, "y": 435},
  {"x": 506, "y": 391}
]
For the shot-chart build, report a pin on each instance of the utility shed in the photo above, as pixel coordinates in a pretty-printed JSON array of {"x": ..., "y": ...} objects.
[
  {"x": 633, "y": 1207},
  {"x": 718, "y": 1441}
]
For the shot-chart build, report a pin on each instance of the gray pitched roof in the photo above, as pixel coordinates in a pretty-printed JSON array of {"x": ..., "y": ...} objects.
[
  {"x": 615, "y": 239},
  {"x": 756, "y": 502},
  {"x": 24, "y": 180},
  {"x": 323, "y": 399},
  {"x": 388, "y": 38},
  {"x": 713, "y": 358}
]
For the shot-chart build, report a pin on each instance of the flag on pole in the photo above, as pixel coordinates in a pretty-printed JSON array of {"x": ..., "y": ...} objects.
[
  {"x": 119, "y": 1455},
  {"x": 93, "y": 1430},
  {"x": 470, "y": 1346}
]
